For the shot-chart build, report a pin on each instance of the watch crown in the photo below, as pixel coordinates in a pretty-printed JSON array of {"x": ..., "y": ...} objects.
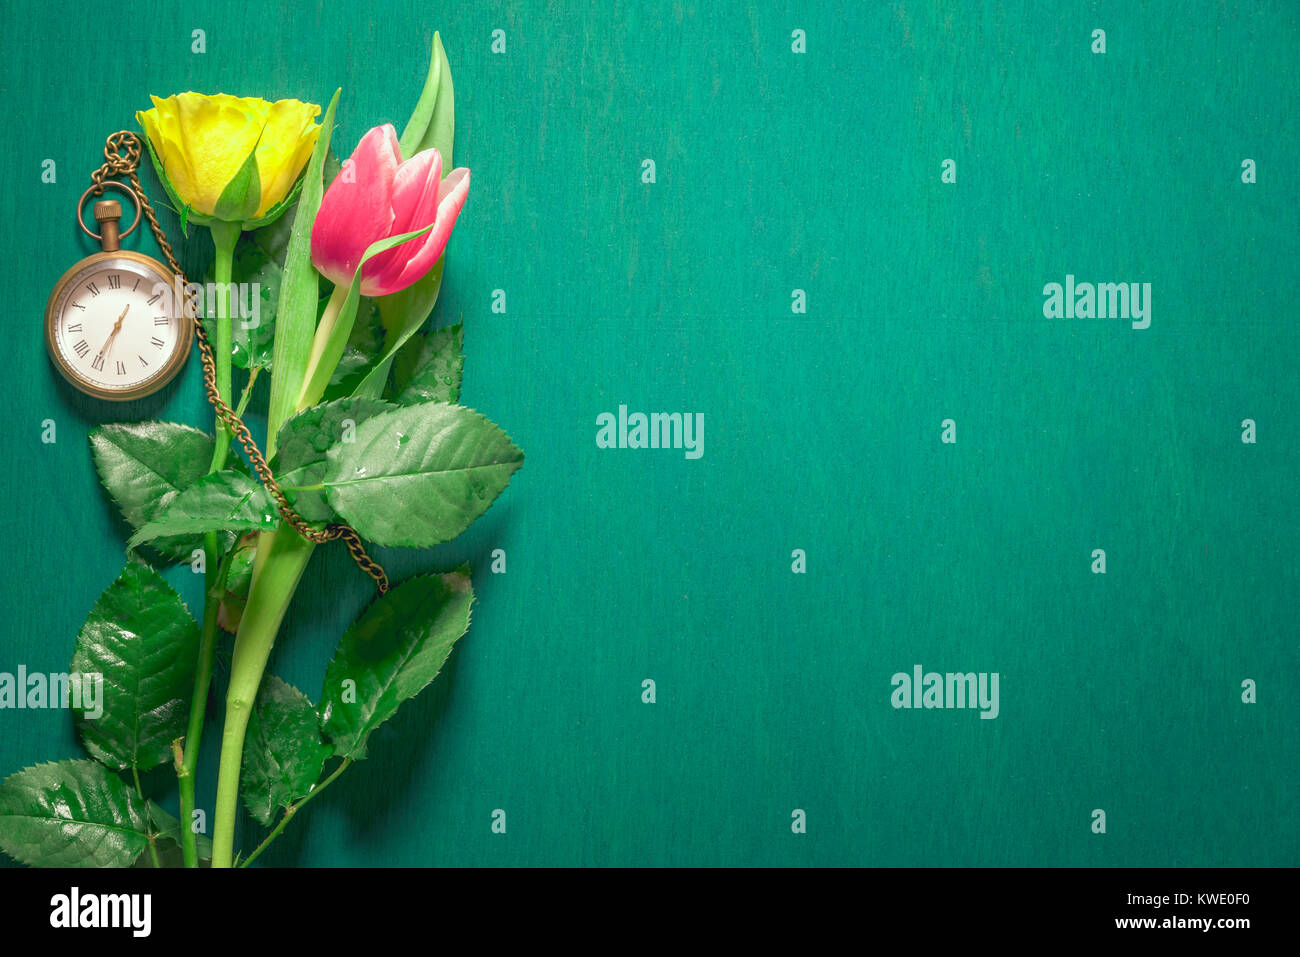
[{"x": 107, "y": 209}]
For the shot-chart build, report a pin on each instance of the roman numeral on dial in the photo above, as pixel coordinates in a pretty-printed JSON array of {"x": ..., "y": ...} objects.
[
  {"x": 82, "y": 348},
  {"x": 97, "y": 363},
  {"x": 156, "y": 342},
  {"x": 114, "y": 282}
]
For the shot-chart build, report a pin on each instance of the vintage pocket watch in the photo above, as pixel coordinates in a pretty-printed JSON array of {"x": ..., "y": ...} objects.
[{"x": 114, "y": 325}]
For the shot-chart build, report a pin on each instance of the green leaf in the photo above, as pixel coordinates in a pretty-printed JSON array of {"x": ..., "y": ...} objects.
[
  {"x": 360, "y": 353},
  {"x": 243, "y": 194},
  {"x": 295, "y": 315},
  {"x": 239, "y": 577},
  {"x": 141, "y": 638},
  {"x": 433, "y": 122},
  {"x": 390, "y": 654},
  {"x": 71, "y": 814},
  {"x": 339, "y": 330},
  {"x": 144, "y": 465},
  {"x": 432, "y": 125},
  {"x": 283, "y": 753},
  {"x": 302, "y": 446},
  {"x": 437, "y": 373},
  {"x": 419, "y": 475},
  {"x": 403, "y": 314},
  {"x": 225, "y": 501},
  {"x": 167, "y": 831}
]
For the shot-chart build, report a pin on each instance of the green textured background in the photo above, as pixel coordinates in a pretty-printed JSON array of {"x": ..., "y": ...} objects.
[{"x": 776, "y": 171}]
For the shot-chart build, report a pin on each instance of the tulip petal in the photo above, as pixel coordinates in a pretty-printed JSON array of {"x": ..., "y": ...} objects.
[
  {"x": 415, "y": 205},
  {"x": 357, "y": 209},
  {"x": 415, "y": 191},
  {"x": 452, "y": 193}
]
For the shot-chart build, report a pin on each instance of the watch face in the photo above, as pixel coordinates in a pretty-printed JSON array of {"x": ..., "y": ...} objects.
[{"x": 115, "y": 329}]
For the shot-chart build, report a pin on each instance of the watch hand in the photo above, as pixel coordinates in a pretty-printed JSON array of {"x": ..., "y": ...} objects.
[{"x": 116, "y": 327}]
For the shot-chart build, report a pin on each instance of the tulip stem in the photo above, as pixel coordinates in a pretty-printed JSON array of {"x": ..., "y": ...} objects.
[
  {"x": 323, "y": 331},
  {"x": 281, "y": 558}
]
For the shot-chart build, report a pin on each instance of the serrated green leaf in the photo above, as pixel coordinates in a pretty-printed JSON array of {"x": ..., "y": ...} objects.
[
  {"x": 396, "y": 647},
  {"x": 437, "y": 373},
  {"x": 144, "y": 465},
  {"x": 239, "y": 576},
  {"x": 419, "y": 475},
  {"x": 283, "y": 752},
  {"x": 167, "y": 830},
  {"x": 225, "y": 501},
  {"x": 142, "y": 639},
  {"x": 71, "y": 814},
  {"x": 303, "y": 444}
]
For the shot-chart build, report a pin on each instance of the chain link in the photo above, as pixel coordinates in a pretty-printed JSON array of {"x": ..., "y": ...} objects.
[{"x": 122, "y": 158}]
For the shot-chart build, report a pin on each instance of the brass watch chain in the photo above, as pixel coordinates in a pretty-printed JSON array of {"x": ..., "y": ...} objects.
[{"x": 122, "y": 158}]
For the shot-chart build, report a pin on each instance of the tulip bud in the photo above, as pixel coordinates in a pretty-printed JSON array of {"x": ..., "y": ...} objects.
[{"x": 378, "y": 196}]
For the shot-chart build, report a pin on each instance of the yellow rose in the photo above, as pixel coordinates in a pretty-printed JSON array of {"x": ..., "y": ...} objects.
[{"x": 202, "y": 146}]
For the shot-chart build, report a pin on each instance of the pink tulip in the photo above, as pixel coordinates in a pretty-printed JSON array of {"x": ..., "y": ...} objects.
[{"x": 375, "y": 196}]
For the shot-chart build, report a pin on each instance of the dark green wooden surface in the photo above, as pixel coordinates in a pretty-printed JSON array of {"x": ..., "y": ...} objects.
[{"x": 775, "y": 171}]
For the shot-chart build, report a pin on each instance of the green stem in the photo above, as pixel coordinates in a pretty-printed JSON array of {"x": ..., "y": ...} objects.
[
  {"x": 224, "y": 238},
  {"x": 281, "y": 558},
  {"x": 309, "y": 395},
  {"x": 247, "y": 393},
  {"x": 293, "y": 809},
  {"x": 217, "y": 565},
  {"x": 215, "y": 588},
  {"x": 153, "y": 851}
]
